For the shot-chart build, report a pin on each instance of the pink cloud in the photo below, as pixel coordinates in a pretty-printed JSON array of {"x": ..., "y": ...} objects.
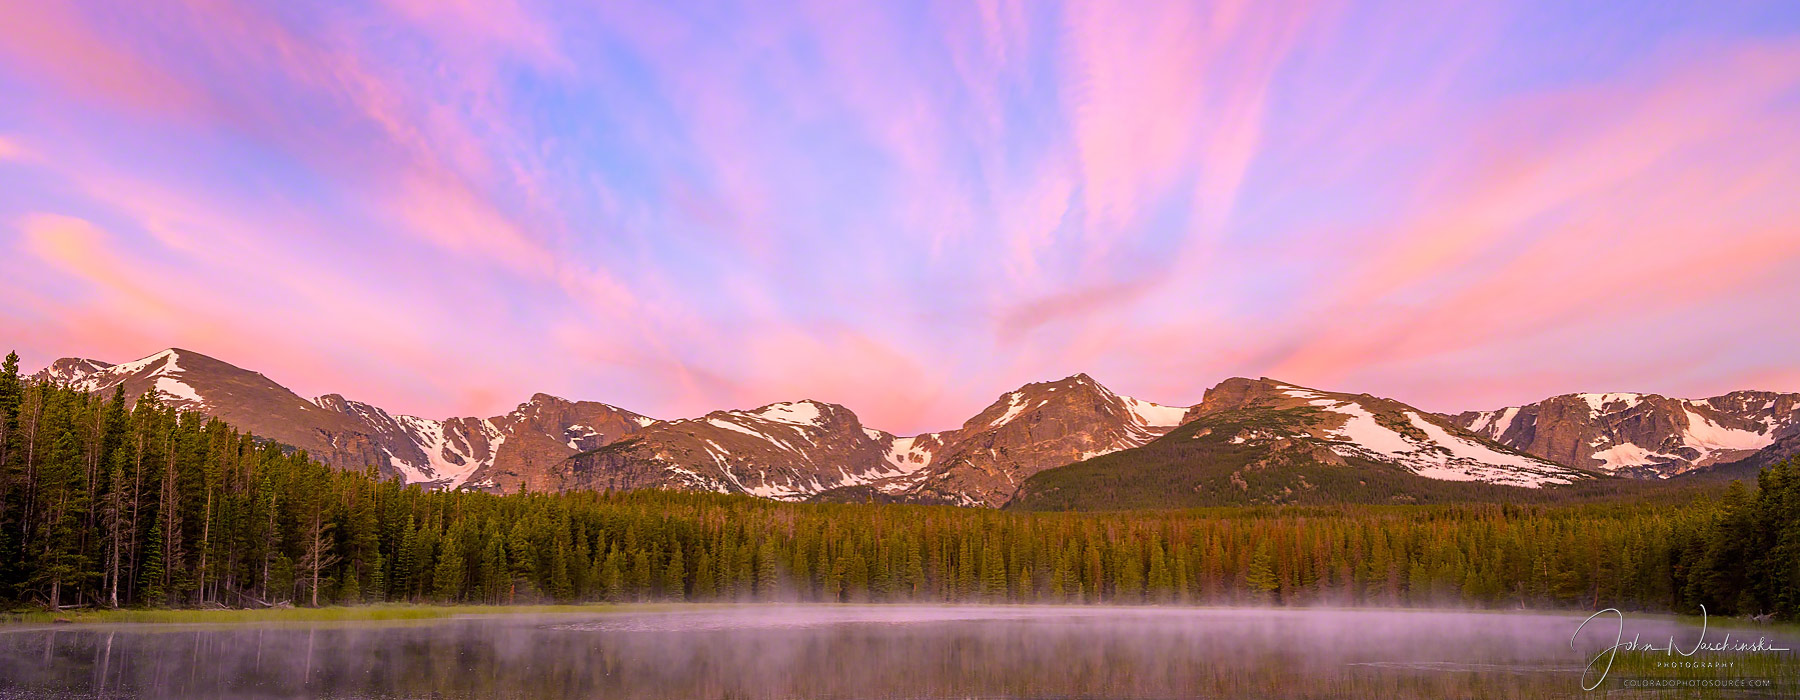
[
  {"x": 61, "y": 44},
  {"x": 1533, "y": 234},
  {"x": 1166, "y": 89},
  {"x": 232, "y": 307},
  {"x": 10, "y": 150},
  {"x": 883, "y": 383},
  {"x": 468, "y": 24},
  {"x": 446, "y": 206}
]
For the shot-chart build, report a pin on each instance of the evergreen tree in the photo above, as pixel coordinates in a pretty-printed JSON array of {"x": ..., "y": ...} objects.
[
  {"x": 447, "y": 578},
  {"x": 675, "y": 576},
  {"x": 154, "y": 571},
  {"x": 612, "y": 576},
  {"x": 766, "y": 577},
  {"x": 993, "y": 573},
  {"x": 496, "y": 577},
  {"x": 1261, "y": 575},
  {"x": 704, "y": 586}
]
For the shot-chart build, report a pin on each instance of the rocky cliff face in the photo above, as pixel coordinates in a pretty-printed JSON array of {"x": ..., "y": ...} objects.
[
  {"x": 1028, "y": 430},
  {"x": 786, "y": 451},
  {"x": 522, "y": 449},
  {"x": 1641, "y": 435}
]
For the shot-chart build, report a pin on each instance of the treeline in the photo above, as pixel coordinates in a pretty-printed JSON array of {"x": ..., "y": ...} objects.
[{"x": 108, "y": 503}]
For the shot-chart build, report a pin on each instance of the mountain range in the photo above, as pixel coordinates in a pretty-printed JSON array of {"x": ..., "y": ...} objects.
[{"x": 1040, "y": 444}]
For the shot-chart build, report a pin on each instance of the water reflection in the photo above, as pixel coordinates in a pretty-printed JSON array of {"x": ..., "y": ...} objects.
[{"x": 828, "y": 652}]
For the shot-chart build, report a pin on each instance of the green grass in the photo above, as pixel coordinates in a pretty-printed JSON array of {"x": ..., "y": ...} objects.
[{"x": 355, "y": 613}]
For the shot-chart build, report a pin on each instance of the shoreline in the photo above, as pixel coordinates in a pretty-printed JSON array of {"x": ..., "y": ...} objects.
[
  {"x": 408, "y": 612},
  {"x": 377, "y": 612}
]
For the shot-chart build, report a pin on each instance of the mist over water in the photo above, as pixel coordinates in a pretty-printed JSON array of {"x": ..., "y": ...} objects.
[{"x": 817, "y": 651}]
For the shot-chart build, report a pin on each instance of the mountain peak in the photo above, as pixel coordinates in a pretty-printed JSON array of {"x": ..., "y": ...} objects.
[
  {"x": 72, "y": 371},
  {"x": 804, "y": 448},
  {"x": 1243, "y": 392},
  {"x": 804, "y": 412},
  {"x": 1644, "y": 435},
  {"x": 1079, "y": 379}
]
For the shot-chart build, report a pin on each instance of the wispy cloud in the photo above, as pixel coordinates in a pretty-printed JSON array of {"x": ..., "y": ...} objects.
[{"x": 446, "y": 206}]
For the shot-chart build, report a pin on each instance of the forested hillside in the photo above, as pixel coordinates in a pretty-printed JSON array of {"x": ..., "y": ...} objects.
[
  {"x": 104, "y": 506},
  {"x": 1210, "y": 462}
]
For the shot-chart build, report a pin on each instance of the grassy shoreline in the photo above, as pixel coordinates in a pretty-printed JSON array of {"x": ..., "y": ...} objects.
[
  {"x": 341, "y": 613},
  {"x": 402, "y": 612}
]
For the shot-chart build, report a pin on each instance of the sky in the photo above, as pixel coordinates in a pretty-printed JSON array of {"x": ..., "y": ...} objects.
[{"x": 909, "y": 208}]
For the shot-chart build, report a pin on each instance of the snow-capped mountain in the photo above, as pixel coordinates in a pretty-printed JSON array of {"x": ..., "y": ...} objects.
[
  {"x": 526, "y": 447},
  {"x": 191, "y": 381},
  {"x": 808, "y": 450},
  {"x": 794, "y": 450},
  {"x": 805, "y": 449},
  {"x": 161, "y": 372},
  {"x": 1644, "y": 435},
  {"x": 1379, "y": 430},
  {"x": 788, "y": 451},
  {"x": 1262, "y": 441},
  {"x": 1028, "y": 430}
]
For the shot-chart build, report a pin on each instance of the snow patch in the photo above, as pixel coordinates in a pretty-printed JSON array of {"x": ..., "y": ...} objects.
[
  {"x": 1463, "y": 448},
  {"x": 1014, "y": 406},
  {"x": 129, "y": 368},
  {"x": 1629, "y": 455},
  {"x": 576, "y": 433},
  {"x": 1362, "y": 428},
  {"x": 728, "y": 425},
  {"x": 1706, "y": 436},
  {"x": 908, "y": 454},
  {"x": 1299, "y": 393},
  {"x": 1442, "y": 454},
  {"x": 1598, "y": 402},
  {"x": 448, "y": 462},
  {"x": 795, "y": 413},
  {"x": 1154, "y": 415},
  {"x": 1504, "y": 422},
  {"x": 177, "y": 390}
]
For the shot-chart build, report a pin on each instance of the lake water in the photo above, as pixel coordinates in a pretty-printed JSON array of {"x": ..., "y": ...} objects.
[{"x": 867, "y": 652}]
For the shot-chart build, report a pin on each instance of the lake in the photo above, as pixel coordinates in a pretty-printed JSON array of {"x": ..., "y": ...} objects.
[{"x": 804, "y": 651}]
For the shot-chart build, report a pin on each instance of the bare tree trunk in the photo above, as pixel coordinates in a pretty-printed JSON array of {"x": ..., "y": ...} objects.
[
  {"x": 205, "y": 542},
  {"x": 96, "y": 442},
  {"x": 317, "y": 557},
  {"x": 137, "y": 500},
  {"x": 96, "y": 452},
  {"x": 171, "y": 501},
  {"x": 269, "y": 554},
  {"x": 37, "y": 412},
  {"x": 113, "y": 558}
]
